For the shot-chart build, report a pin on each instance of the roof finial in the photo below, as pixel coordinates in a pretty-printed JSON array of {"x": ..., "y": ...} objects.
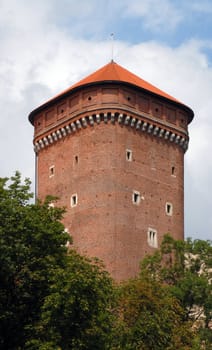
[{"x": 112, "y": 42}]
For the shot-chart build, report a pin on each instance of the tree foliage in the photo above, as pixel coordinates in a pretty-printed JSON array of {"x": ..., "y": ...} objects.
[
  {"x": 51, "y": 298},
  {"x": 151, "y": 318},
  {"x": 32, "y": 244},
  {"x": 185, "y": 268},
  {"x": 77, "y": 313}
]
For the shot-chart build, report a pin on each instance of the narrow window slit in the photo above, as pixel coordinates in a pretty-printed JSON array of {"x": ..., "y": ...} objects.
[
  {"x": 51, "y": 171},
  {"x": 128, "y": 155},
  {"x": 74, "y": 200},
  {"x": 136, "y": 197},
  {"x": 169, "y": 209}
]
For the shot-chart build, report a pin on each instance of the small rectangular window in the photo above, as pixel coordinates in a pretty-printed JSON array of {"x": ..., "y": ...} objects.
[
  {"x": 152, "y": 238},
  {"x": 51, "y": 171},
  {"x": 136, "y": 197},
  {"x": 74, "y": 200},
  {"x": 173, "y": 171},
  {"x": 169, "y": 209},
  {"x": 128, "y": 155}
]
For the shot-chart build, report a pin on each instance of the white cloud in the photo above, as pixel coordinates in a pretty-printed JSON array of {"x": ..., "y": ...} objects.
[
  {"x": 203, "y": 6},
  {"x": 162, "y": 15}
]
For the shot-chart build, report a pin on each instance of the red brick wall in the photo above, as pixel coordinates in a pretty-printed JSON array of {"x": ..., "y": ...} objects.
[{"x": 92, "y": 164}]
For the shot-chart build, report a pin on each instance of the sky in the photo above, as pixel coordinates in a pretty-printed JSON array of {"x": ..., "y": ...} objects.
[{"x": 48, "y": 45}]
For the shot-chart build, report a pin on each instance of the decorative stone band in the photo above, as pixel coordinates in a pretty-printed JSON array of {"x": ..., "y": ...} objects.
[{"x": 130, "y": 121}]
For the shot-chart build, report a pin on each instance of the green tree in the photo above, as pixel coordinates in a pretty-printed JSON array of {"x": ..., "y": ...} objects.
[
  {"x": 32, "y": 245},
  {"x": 77, "y": 313},
  {"x": 185, "y": 268},
  {"x": 150, "y": 318},
  {"x": 53, "y": 298},
  {"x": 50, "y": 298}
]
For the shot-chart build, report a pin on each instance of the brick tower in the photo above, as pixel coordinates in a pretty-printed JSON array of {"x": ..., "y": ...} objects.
[{"x": 111, "y": 147}]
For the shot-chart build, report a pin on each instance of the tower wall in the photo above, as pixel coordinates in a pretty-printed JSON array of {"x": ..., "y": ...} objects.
[{"x": 114, "y": 156}]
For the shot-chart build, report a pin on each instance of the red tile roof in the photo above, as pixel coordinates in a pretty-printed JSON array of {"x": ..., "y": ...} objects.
[{"x": 113, "y": 72}]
